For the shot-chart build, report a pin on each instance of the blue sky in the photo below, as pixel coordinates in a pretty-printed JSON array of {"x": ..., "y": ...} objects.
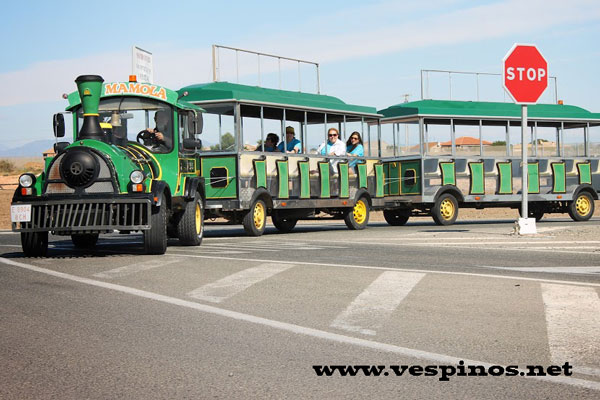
[{"x": 371, "y": 53}]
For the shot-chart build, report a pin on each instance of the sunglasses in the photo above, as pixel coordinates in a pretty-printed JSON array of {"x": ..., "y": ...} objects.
[
  {"x": 332, "y": 134},
  {"x": 354, "y": 138}
]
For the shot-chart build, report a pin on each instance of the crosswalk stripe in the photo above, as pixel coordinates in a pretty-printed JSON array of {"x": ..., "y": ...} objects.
[
  {"x": 375, "y": 304},
  {"x": 134, "y": 268},
  {"x": 231, "y": 285},
  {"x": 573, "y": 323}
]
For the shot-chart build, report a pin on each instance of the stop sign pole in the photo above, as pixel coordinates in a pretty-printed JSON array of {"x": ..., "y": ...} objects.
[{"x": 525, "y": 78}]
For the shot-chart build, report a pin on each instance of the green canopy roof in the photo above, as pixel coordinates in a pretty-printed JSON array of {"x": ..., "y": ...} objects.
[
  {"x": 487, "y": 110},
  {"x": 221, "y": 91}
]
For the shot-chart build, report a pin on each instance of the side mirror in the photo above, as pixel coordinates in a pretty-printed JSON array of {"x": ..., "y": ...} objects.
[
  {"x": 195, "y": 123},
  {"x": 58, "y": 125},
  {"x": 192, "y": 144}
]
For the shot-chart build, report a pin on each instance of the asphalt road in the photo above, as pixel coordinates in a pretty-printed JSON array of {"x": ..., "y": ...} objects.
[{"x": 242, "y": 317}]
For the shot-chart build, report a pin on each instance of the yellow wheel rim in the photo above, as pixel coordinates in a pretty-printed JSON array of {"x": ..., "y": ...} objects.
[
  {"x": 198, "y": 218},
  {"x": 259, "y": 215},
  {"x": 583, "y": 205},
  {"x": 360, "y": 212},
  {"x": 447, "y": 209}
]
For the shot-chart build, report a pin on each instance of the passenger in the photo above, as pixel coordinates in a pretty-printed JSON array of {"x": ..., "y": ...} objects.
[
  {"x": 270, "y": 143},
  {"x": 354, "y": 148},
  {"x": 332, "y": 147},
  {"x": 293, "y": 144}
]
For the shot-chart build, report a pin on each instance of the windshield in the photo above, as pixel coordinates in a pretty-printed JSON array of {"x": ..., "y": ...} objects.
[{"x": 131, "y": 119}]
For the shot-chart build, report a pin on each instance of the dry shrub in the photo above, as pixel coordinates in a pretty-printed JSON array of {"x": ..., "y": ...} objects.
[
  {"x": 33, "y": 167},
  {"x": 6, "y": 166}
]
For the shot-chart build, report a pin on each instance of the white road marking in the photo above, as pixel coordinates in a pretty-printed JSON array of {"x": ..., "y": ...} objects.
[
  {"x": 135, "y": 268},
  {"x": 573, "y": 322},
  {"x": 205, "y": 250},
  {"x": 296, "y": 329},
  {"x": 557, "y": 269},
  {"x": 229, "y": 247},
  {"x": 10, "y": 245},
  {"x": 376, "y": 303},
  {"x": 389, "y": 269},
  {"x": 231, "y": 285}
]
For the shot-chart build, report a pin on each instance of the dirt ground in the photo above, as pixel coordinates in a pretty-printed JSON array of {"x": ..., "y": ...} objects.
[{"x": 8, "y": 185}]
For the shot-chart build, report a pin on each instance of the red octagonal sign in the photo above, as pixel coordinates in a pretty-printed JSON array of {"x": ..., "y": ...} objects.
[{"x": 525, "y": 73}]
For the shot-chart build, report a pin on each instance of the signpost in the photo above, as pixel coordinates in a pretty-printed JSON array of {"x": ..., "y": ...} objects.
[
  {"x": 141, "y": 65},
  {"x": 525, "y": 77}
]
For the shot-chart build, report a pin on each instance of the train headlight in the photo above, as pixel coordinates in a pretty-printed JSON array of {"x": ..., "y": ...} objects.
[
  {"x": 136, "y": 177},
  {"x": 26, "y": 180}
]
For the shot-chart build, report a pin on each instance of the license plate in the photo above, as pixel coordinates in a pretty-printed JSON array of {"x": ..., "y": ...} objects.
[{"x": 20, "y": 213}]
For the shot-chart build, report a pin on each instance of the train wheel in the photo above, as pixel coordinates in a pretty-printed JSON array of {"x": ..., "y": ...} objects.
[
  {"x": 256, "y": 219},
  {"x": 535, "y": 213},
  {"x": 395, "y": 217},
  {"x": 155, "y": 238},
  {"x": 190, "y": 227},
  {"x": 358, "y": 217},
  {"x": 582, "y": 207},
  {"x": 445, "y": 210},
  {"x": 34, "y": 244},
  {"x": 282, "y": 223},
  {"x": 84, "y": 240}
]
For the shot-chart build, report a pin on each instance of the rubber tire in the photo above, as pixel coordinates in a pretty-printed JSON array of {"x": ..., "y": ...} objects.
[
  {"x": 283, "y": 224},
  {"x": 155, "y": 238},
  {"x": 34, "y": 244},
  {"x": 395, "y": 217},
  {"x": 537, "y": 214},
  {"x": 436, "y": 212},
  {"x": 249, "y": 225},
  {"x": 350, "y": 219},
  {"x": 572, "y": 207},
  {"x": 187, "y": 228},
  {"x": 84, "y": 240}
]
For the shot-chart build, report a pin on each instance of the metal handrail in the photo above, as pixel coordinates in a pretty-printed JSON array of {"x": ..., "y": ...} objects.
[
  {"x": 425, "y": 74},
  {"x": 217, "y": 64}
]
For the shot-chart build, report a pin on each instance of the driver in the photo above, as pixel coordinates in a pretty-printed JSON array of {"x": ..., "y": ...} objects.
[{"x": 160, "y": 135}]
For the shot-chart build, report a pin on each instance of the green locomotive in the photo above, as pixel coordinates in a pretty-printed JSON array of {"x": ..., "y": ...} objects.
[{"x": 119, "y": 173}]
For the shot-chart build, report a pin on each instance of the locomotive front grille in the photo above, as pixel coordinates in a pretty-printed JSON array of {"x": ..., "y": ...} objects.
[{"x": 86, "y": 216}]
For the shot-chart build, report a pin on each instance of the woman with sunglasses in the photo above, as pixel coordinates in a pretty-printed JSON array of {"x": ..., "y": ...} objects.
[
  {"x": 333, "y": 146},
  {"x": 354, "y": 148}
]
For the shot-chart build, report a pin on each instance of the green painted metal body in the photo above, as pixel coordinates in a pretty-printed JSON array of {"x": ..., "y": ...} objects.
[
  {"x": 505, "y": 185},
  {"x": 220, "y": 175},
  {"x": 585, "y": 173},
  {"x": 560, "y": 177},
  {"x": 344, "y": 180},
  {"x": 448, "y": 173},
  {"x": 533, "y": 177},
  {"x": 304, "y": 169},
  {"x": 477, "y": 178},
  {"x": 325, "y": 181},
  {"x": 410, "y": 175},
  {"x": 284, "y": 178}
]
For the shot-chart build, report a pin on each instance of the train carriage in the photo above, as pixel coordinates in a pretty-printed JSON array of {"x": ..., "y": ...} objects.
[
  {"x": 244, "y": 183},
  {"x": 471, "y": 172}
]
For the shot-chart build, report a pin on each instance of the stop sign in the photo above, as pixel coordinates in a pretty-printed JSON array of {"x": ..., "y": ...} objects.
[{"x": 525, "y": 73}]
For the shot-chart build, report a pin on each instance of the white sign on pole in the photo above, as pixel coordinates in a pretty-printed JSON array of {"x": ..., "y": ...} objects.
[{"x": 141, "y": 65}]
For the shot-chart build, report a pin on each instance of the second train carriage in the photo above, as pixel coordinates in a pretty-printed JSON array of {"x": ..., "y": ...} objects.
[{"x": 425, "y": 176}]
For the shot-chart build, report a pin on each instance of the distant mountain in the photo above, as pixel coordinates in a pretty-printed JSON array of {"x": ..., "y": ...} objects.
[{"x": 31, "y": 149}]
